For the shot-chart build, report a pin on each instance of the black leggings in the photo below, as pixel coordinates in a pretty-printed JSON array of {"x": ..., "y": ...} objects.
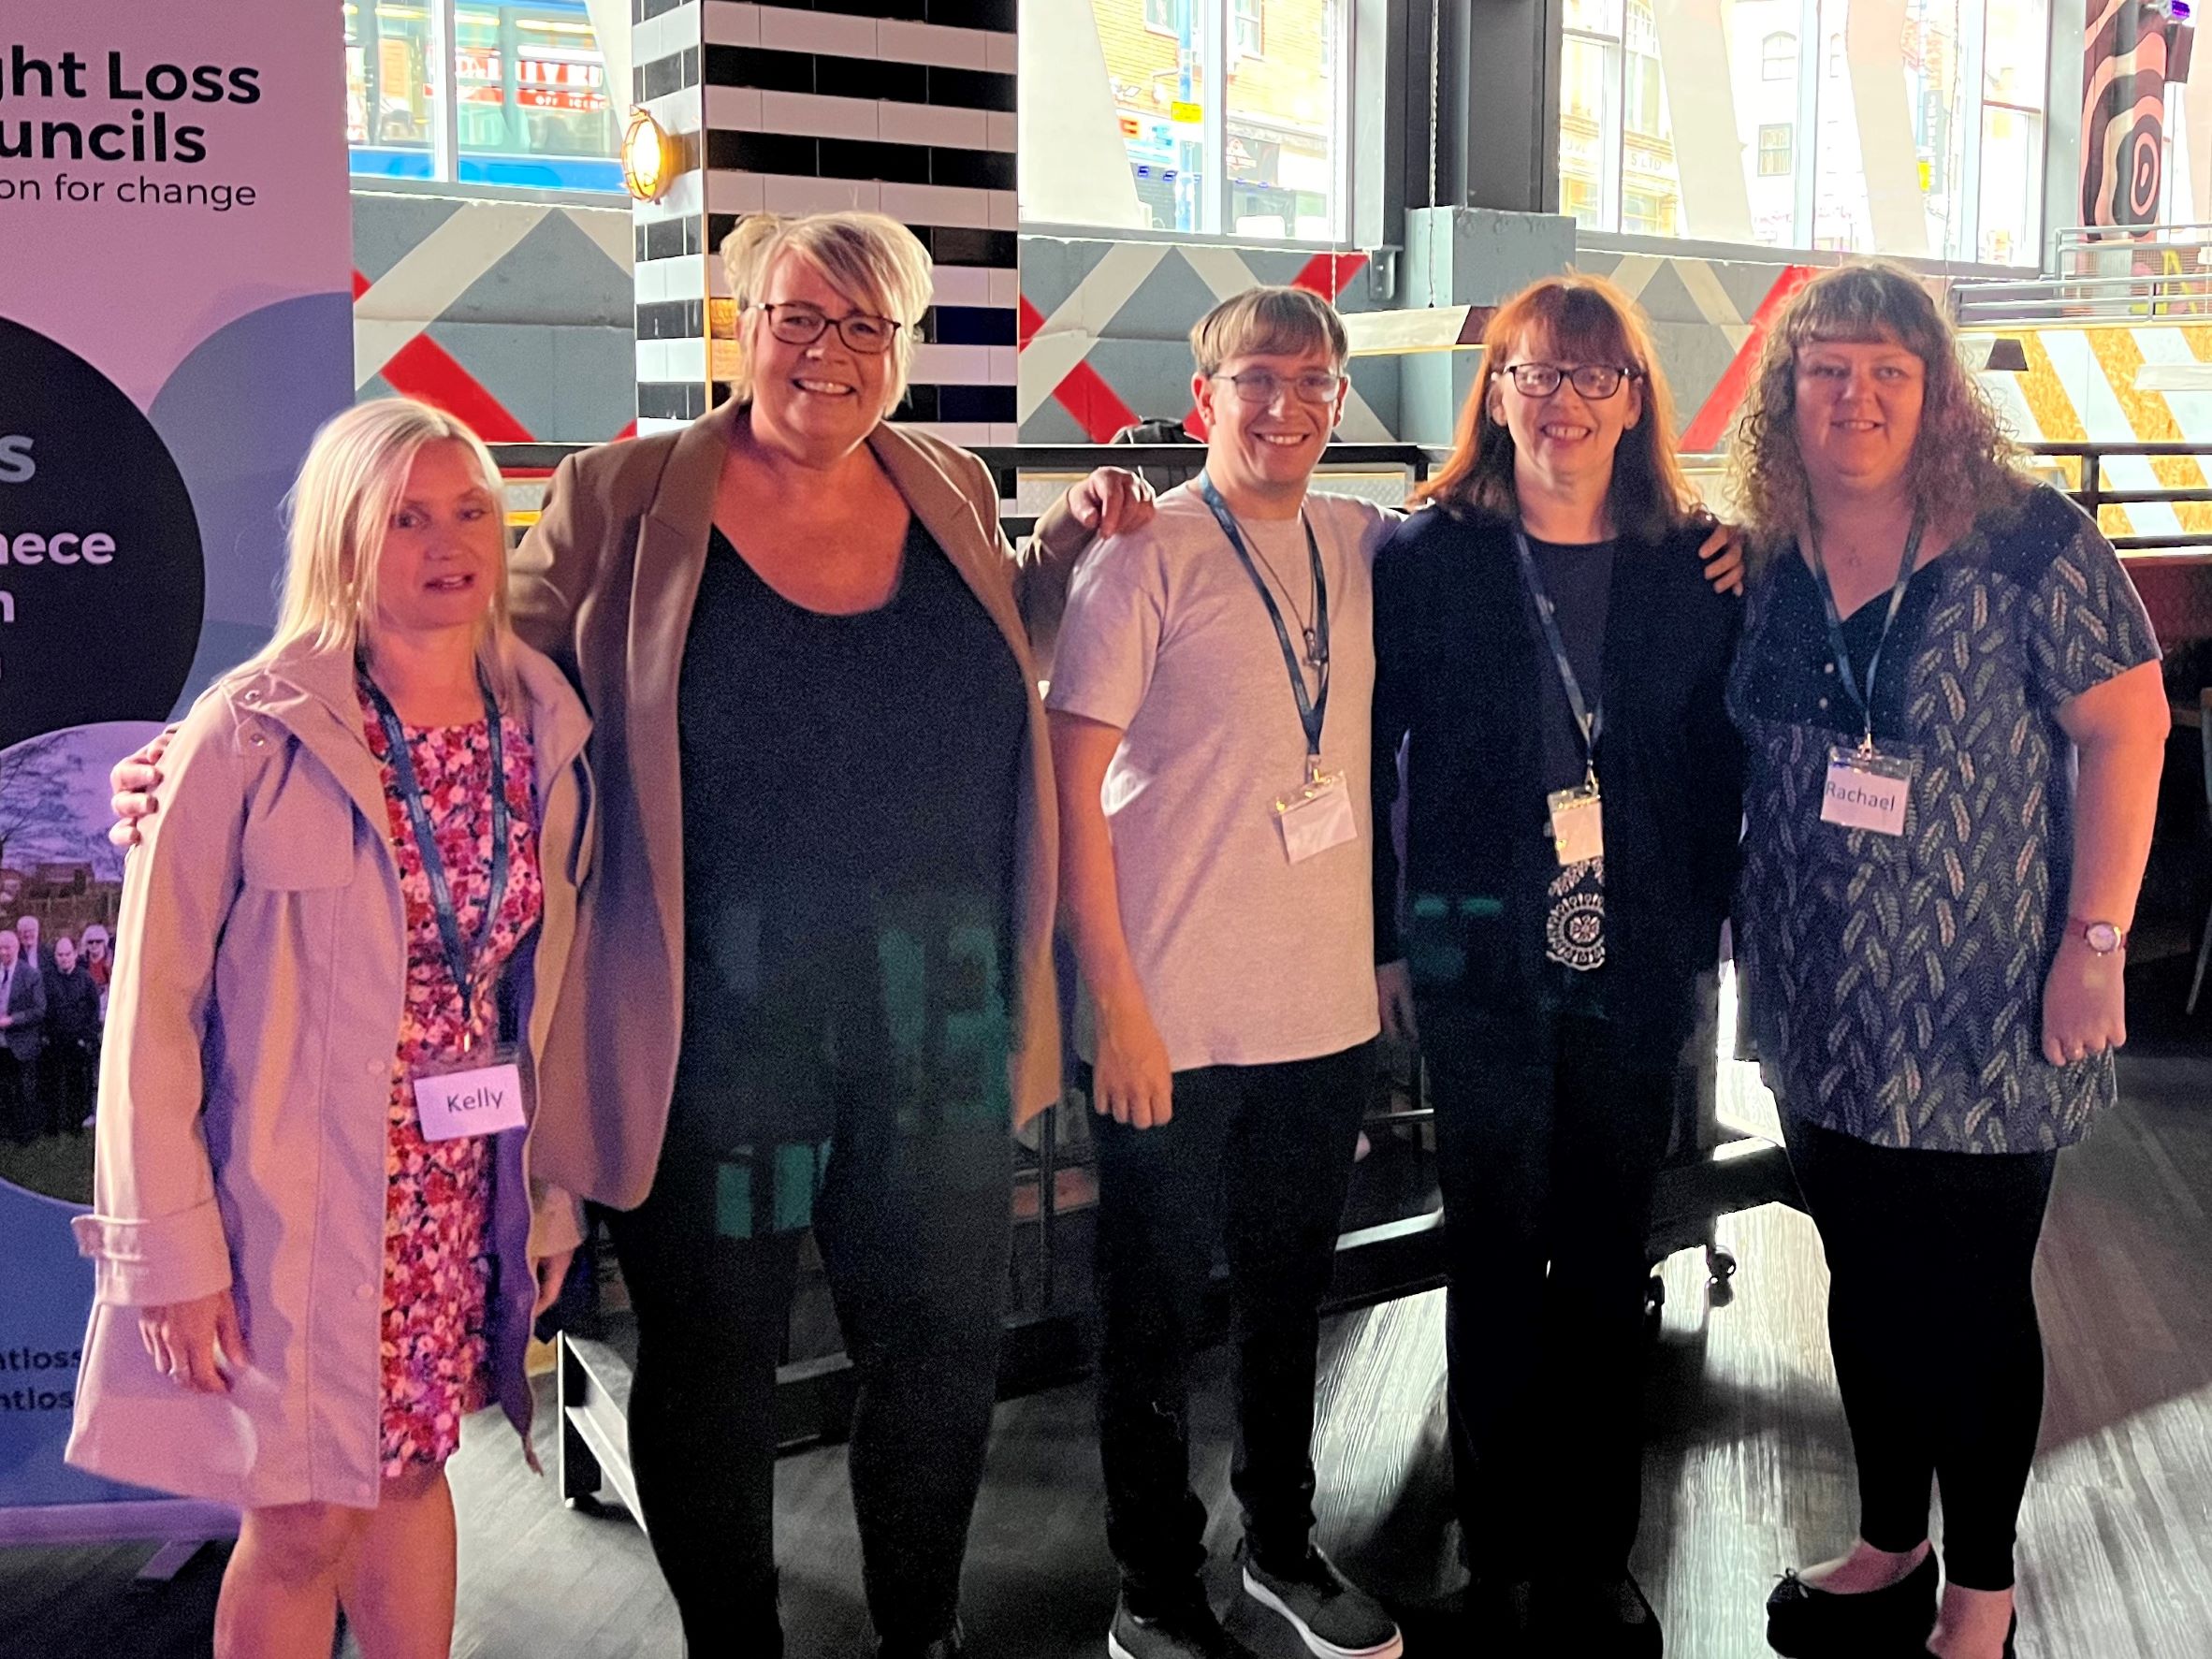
[
  {"x": 914, "y": 1230},
  {"x": 1931, "y": 1315}
]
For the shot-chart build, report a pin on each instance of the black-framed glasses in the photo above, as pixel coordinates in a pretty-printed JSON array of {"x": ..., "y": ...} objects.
[
  {"x": 801, "y": 325},
  {"x": 1595, "y": 381},
  {"x": 1260, "y": 387}
]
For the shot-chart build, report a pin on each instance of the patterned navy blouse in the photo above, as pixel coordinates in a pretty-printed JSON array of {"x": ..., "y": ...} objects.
[{"x": 1893, "y": 984}]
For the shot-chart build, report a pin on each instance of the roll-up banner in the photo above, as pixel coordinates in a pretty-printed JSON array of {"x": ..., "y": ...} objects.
[{"x": 175, "y": 322}]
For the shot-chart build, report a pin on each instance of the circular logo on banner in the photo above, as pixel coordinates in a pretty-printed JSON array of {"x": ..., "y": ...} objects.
[{"x": 101, "y": 577}]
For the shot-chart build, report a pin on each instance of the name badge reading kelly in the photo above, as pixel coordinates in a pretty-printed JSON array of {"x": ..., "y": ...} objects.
[
  {"x": 1866, "y": 790},
  {"x": 1577, "y": 824},
  {"x": 1316, "y": 818},
  {"x": 482, "y": 1101}
]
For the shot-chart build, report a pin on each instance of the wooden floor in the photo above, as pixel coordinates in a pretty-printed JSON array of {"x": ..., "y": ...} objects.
[{"x": 1748, "y": 1470}]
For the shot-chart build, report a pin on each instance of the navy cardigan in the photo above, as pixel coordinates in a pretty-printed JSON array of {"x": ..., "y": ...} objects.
[{"x": 1458, "y": 686}]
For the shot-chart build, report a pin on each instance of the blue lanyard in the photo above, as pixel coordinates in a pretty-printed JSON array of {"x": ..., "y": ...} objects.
[
  {"x": 458, "y": 951},
  {"x": 1313, "y": 711},
  {"x": 1590, "y": 721},
  {"x": 1865, "y": 699}
]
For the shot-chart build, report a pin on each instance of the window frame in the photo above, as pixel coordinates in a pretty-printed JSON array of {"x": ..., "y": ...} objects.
[
  {"x": 1820, "y": 78},
  {"x": 1344, "y": 63}
]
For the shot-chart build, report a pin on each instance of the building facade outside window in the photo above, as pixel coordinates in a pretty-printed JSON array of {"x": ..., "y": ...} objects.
[
  {"x": 533, "y": 104},
  {"x": 1269, "y": 164},
  {"x": 1916, "y": 128}
]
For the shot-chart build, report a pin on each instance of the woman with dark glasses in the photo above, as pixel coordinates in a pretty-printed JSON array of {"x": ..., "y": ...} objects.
[{"x": 1551, "y": 663}]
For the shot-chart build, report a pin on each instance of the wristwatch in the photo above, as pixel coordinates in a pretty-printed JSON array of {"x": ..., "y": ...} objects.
[{"x": 2101, "y": 937}]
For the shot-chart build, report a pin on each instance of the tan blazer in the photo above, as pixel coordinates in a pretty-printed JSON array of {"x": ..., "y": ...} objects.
[
  {"x": 604, "y": 583},
  {"x": 260, "y": 971}
]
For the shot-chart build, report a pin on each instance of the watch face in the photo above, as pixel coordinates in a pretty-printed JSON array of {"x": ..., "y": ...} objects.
[{"x": 2102, "y": 938}]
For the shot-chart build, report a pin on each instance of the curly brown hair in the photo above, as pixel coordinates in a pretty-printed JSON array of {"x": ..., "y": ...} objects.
[
  {"x": 1587, "y": 319},
  {"x": 1963, "y": 462}
]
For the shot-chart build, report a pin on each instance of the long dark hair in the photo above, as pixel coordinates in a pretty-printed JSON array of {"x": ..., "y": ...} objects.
[{"x": 1587, "y": 318}]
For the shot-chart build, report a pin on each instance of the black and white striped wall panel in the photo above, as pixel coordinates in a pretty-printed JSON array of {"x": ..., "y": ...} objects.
[{"x": 906, "y": 107}]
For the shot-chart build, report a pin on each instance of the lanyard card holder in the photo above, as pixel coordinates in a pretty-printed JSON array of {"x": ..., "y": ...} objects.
[
  {"x": 476, "y": 1093},
  {"x": 1578, "y": 823},
  {"x": 1317, "y": 817},
  {"x": 1867, "y": 789}
]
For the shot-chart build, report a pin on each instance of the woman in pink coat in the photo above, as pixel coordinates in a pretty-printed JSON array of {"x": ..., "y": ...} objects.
[{"x": 314, "y": 1225}]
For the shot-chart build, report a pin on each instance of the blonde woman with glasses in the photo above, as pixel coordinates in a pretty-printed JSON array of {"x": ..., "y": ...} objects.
[{"x": 318, "y": 1242}]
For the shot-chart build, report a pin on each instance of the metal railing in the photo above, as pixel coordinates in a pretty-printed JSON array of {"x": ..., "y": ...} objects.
[
  {"x": 2099, "y": 273},
  {"x": 2092, "y": 493}
]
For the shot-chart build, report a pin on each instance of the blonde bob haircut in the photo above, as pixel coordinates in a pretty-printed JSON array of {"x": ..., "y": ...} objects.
[
  {"x": 1963, "y": 464},
  {"x": 351, "y": 483},
  {"x": 872, "y": 259},
  {"x": 1268, "y": 323}
]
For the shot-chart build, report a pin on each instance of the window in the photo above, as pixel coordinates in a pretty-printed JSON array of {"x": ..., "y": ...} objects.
[
  {"x": 1227, "y": 120},
  {"x": 533, "y": 106},
  {"x": 1951, "y": 169},
  {"x": 1245, "y": 14}
]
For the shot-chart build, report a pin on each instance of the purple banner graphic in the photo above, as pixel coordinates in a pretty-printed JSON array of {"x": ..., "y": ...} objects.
[{"x": 174, "y": 322}]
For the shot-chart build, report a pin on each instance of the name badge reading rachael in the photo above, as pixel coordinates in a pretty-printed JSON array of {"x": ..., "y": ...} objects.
[
  {"x": 1316, "y": 818},
  {"x": 477, "y": 1100},
  {"x": 1865, "y": 789},
  {"x": 1577, "y": 824}
]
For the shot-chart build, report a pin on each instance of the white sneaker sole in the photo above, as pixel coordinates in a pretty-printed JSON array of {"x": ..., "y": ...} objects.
[
  {"x": 1267, "y": 1599},
  {"x": 1115, "y": 1650}
]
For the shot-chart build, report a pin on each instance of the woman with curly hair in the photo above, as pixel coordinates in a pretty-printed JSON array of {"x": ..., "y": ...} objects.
[{"x": 1950, "y": 697}]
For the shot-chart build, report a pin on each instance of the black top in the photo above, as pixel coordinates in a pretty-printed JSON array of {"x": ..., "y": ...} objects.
[
  {"x": 851, "y": 797},
  {"x": 1893, "y": 984},
  {"x": 1463, "y": 679},
  {"x": 1579, "y": 581},
  {"x": 72, "y": 1006}
]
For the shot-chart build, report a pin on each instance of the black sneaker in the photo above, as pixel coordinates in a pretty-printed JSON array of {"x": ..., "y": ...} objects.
[
  {"x": 1334, "y": 1620},
  {"x": 1186, "y": 1630}
]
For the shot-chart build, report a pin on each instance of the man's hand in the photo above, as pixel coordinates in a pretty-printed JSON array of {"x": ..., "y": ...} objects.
[
  {"x": 2084, "y": 1010},
  {"x": 1393, "y": 991},
  {"x": 1130, "y": 1080},
  {"x": 1723, "y": 553},
  {"x": 197, "y": 1344},
  {"x": 135, "y": 779},
  {"x": 1112, "y": 502}
]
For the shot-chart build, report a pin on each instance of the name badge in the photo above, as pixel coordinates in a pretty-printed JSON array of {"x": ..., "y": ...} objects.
[
  {"x": 482, "y": 1101},
  {"x": 1316, "y": 818},
  {"x": 1866, "y": 790},
  {"x": 1578, "y": 823}
]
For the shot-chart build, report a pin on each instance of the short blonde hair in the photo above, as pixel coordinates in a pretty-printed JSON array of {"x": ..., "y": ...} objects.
[
  {"x": 1269, "y": 322},
  {"x": 349, "y": 486},
  {"x": 873, "y": 260}
]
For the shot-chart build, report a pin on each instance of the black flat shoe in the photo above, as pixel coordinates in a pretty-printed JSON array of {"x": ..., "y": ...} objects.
[{"x": 1804, "y": 1623}]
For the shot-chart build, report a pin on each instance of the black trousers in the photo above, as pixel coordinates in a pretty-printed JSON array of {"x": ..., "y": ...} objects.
[
  {"x": 913, "y": 1229},
  {"x": 1549, "y": 1144},
  {"x": 20, "y": 1113},
  {"x": 1931, "y": 1315},
  {"x": 65, "y": 1079},
  {"x": 1257, "y": 1158}
]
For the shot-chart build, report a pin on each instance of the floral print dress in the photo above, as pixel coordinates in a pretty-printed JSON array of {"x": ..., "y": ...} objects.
[{"x": 438, "y": 1244}]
